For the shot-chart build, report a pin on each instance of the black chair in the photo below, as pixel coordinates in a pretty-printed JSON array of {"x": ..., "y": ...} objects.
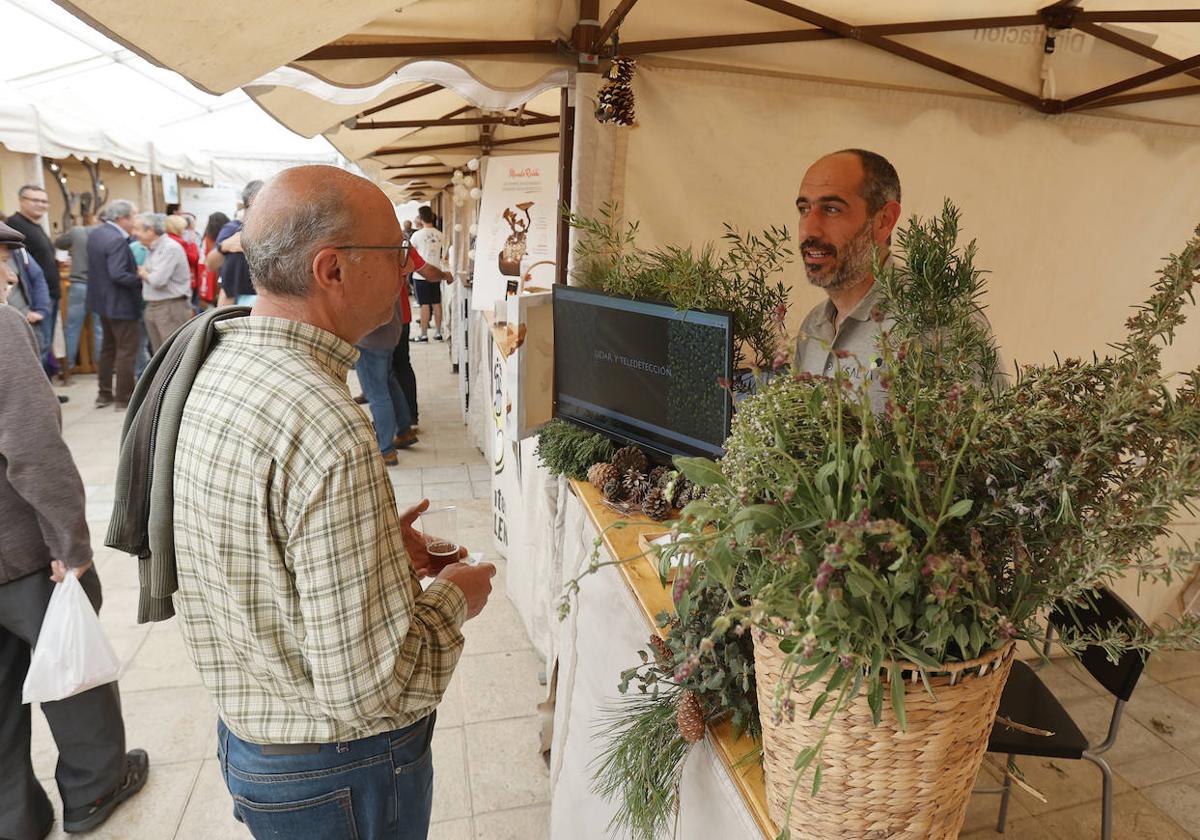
[{"x": 1026, "y": 700}]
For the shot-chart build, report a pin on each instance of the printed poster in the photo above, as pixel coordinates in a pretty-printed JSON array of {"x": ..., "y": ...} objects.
[{"x": 518, "y": 223}]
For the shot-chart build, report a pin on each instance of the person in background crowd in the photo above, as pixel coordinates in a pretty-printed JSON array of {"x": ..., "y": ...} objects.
[
  {"x": 402, "y": 368},
  {"x": 207, "y": 288},
  {"x": 299, "y": 594},
  {"x": 43, "y": 539},
  {"x": 191, "y": 234},
  {"x": 28, "y": 220},
  {"x": 407, "y": 229},
  {"x": 167, "y": 279},
  {"x": 23, "y": 282},
  {"x": 227, "y": 258},
  {"x": 177, "y": 230},
  {"x": 74, "y": 242},
  {"x": 115, "y": 294},
  {"x": 427, "y": 241}
]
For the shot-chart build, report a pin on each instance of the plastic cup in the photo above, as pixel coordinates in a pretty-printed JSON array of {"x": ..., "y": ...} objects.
[{"x": 440, "y": 527}]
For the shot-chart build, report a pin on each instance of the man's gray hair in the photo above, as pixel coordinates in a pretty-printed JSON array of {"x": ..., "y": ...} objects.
[
  {"x": 280, "y": 253},
  {"x": 157, "y": 222},
  {"x": 249, "y": 192},
  {"x": 119, "y": 209}
]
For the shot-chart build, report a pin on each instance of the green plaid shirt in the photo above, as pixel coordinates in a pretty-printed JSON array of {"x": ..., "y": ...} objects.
[{"x": 296, "y": 598}]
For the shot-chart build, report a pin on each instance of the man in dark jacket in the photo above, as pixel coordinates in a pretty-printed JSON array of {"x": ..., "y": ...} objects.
[
  {"x": 115, "y": 294},
  {"x": 44, "y": 538},
  {"x": 28, "y": 220}
]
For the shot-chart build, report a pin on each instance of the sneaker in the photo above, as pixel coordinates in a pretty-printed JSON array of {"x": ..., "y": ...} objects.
[
  {"x": 361, "y": 399},
  {"x": 88, "y": 817},
  {"x": 391, "y": 459},
  {"x": 103, "y": 402},
  {"x": 437, "y": 336},
  {"x": 418, "y": 339},
  {"x": 405, "y": 440}
]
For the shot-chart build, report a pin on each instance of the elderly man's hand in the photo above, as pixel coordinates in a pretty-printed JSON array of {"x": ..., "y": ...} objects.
[
  {"x": 58, "y": 570},
  {"x": 415, "y": 544},
  {"x": 33, "y": 317}
]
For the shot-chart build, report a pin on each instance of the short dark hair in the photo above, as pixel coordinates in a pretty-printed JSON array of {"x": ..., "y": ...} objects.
[
  {"x": 426, "y": 214},
  {"x": 30, "y": 188},
  {"x": 250, "y": 192},
  {"x": 880, "y": 183}
]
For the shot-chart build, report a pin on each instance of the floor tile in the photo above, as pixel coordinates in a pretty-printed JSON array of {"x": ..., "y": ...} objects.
[
  {"x": 518, "y": 824},
  {"x": 450, "y": 710},
  {"x": 161, "y": 662},
  {"x": 497, "y": 629},
  {"x": 1064, "y": 783},
  {"x": 156, "y": 809},
  {"x": 449, "y": 492},
  {"x": 1163, "y": 766},
  {"x": 1134, "y": 816},
  {"x": 451, "y": 830},
  {"x": 1188, "y": 689},
  {"x": 209, "y": 811},
  {"x": 1174, "y": 665},
  {"x": 1180, "y": 800},
  {"x": 172, "y": 724},
  {"x": 507, "y": 770},
  {"x": 501, "y": 685},
  {"x": 444, "y": 475},
  {"x": 1169, "y": 715},
  {"x": 451, "y": 785}
]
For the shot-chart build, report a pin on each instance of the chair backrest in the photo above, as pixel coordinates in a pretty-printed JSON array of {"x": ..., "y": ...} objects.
[{"x": 1105, "y": 609}]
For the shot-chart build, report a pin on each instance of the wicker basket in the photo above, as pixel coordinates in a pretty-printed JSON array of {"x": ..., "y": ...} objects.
[{"x": 879, "y": 781}]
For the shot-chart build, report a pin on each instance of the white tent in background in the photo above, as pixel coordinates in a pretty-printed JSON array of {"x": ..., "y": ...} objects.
[{"x": 70, "y": 91}]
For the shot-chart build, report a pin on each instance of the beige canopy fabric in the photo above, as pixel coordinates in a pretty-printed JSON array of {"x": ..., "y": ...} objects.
[{"x": 917, "y": 45}]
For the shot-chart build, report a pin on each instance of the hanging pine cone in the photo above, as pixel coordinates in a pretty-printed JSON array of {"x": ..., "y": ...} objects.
[
  {"x": 662, "y": 651},
  {"x": 635, "y": 485},
  {"x": 656, "y": 506},
  {"x": 601, "y": 473},
  {"x": 613, "y": 490},
  {"x": 656, "y": 475},
  {"x": 614, "y": 103},
  {"x": 689, "y": 717},
  {"x": 629, "y": 458}
]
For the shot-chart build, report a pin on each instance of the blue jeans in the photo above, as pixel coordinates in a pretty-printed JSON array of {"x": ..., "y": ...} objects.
[
  {"x": 385, "y": 398},
  {"x": 46, "y": 326},
  {"x": 76, "y": 315},
  {"x": 376, "y": 787}
]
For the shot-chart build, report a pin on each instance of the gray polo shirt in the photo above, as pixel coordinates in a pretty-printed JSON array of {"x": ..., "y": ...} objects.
[
  {"x": 169, "y": 274},
  {"x": 817, "y": 348}
]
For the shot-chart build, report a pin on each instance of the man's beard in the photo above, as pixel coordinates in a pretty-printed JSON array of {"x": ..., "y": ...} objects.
[{"x": 853, "y": 262}]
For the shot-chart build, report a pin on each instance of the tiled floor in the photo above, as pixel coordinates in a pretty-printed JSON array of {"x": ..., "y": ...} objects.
[{"x": 490, "y": 780}]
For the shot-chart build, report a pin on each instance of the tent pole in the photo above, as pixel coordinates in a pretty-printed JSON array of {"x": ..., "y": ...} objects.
[{"x": 566, "y": 160}]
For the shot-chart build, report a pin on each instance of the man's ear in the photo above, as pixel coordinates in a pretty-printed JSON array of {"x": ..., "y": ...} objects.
[
  {"x": 327, "y": 269},
  {"x": 885, "y": 220}
]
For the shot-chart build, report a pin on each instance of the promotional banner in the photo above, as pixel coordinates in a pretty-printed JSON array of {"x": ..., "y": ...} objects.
[{"x": 517, "y": 224}]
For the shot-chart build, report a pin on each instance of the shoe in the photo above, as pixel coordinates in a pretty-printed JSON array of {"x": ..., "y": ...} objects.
[
  {"x": 405, "y": 440},
  {"x": 120, "y": 406},
  {"x": 88, "y": 817},
  {"x": 361, "y": 399},
  {"x": 391, "y": 459},
  {"x": 437, "y": 336},
  {"x": 419, "y": 339},
  {"x": 63, "y": 398},
  {"x": 103, "y": 402}
]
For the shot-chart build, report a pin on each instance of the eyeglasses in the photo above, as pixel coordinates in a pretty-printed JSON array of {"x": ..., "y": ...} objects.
[{"x": 402, "y": 248}]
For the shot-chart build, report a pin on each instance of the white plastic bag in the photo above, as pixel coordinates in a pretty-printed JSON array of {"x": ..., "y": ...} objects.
[{"x": 72, "y": 652}]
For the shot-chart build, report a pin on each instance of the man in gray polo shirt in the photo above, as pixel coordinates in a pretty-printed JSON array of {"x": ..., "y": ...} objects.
[
  {"x": 849, "y": 202},
  {"x": 166, "y": 280}
]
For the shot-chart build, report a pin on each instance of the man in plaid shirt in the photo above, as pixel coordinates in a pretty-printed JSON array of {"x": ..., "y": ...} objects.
[{"x": 299, "y": 593}]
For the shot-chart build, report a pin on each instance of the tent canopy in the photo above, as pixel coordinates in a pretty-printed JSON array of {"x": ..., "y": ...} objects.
[
  {"x": 70, "y": 91},
  {"x": 1105, "y": 54}
]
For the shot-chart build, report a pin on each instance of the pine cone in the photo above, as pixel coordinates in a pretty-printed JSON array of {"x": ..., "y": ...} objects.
[
  {"x": 656, "y": 506},
  {"x": 613, "y": 491},
  {"x": 629, "y": 458},
  {"x": 662, "y": 651},
  {"x": 601, "y": 473},
  {"x": 635, "y": 486},
  {"x": 656, "y": 475},
  {"x": 689, "y": 717},
  {"x": 695, "y": 492},
  {"x": 677, "y": 494}
]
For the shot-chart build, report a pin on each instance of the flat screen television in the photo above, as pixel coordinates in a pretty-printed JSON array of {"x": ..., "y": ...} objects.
[{"x": 643, "y": 373}]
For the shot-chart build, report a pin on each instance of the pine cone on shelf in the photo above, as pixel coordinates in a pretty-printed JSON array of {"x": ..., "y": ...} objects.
[
  {"x": 656, "y": 506},
  {"x": 629, "y": 458},
  {"x": 635, "y": 485},
  {"x": 613, "y": 491},
  {"x": 601, "y": 473},
  {"x": 677, "y": 492},
  {"x": 662, "y": 651},
  {"x": 689, "y": 717},
  {"x": 656, "y": 475}
]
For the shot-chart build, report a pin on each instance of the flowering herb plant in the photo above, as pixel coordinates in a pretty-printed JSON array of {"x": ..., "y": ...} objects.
[{"x": 948, "y": 523}]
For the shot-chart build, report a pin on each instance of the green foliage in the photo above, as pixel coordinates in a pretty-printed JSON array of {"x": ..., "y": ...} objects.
[
  {"x": 640, "y": 765},
  {"x": 950, "y": 523},
  {"x": 565, "y": 449},
  {"x": 737, "y": 280}
]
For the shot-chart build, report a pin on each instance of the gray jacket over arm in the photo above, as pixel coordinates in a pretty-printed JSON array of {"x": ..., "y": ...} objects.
[{"x": 42, "y": 507}]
